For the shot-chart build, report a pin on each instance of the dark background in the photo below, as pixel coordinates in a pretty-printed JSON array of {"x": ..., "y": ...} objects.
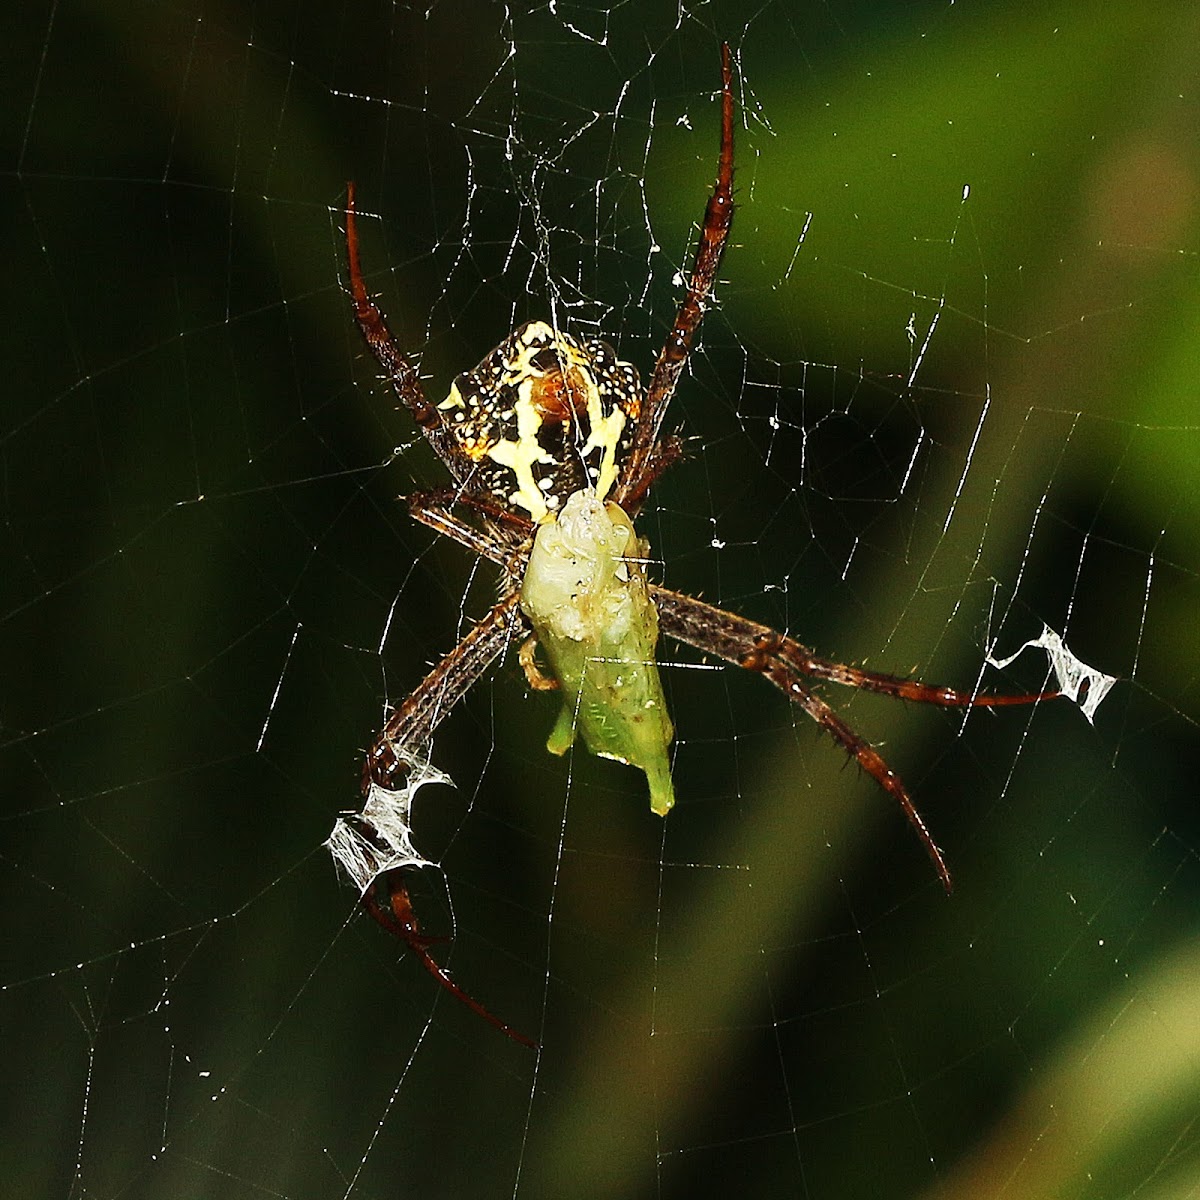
[{"x": 210, "y": 592}]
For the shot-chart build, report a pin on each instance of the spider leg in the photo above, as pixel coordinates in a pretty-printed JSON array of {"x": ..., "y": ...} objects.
[
  {"x": 802, "y": 659},
  {"x": 756, "y": 648},
  {"x": 665, "y": 452},
  {"x": 718, "y": 217},
  {"x": 397, "y": 368},
  {"x": 435, "y": 510},
  {"x": 537, "y": 679},
  {"x": 388, "y": 901},
  {"x": 783, "y": 661},
  {"x": 410, "y": 727},
  {"x": 783, "y": 676},
  {"x": 402, "y": 741},
  {"x": 728, "y": 636}
]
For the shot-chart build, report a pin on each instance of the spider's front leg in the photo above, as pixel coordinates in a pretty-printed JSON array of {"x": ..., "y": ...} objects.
[
  {"x": 784, "y": 662},
  {"x": 374, "y": 846},
  {"x": 388, "y": 901},
  {"x": 409, "y": 729}
]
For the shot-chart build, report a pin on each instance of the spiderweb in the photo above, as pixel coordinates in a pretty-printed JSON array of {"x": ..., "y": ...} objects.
[{"x": 946, "y": 403}]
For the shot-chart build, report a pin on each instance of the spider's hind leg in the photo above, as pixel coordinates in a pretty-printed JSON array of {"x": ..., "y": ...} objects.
[{"x": 639, "y": 469}]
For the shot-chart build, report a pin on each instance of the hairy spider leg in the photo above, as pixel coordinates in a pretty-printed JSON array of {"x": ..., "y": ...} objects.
[
  {"x": 397, "y": 369},
  {"x": 435, "y": 509},
  {"x": 783, "y": 661},
  {"x": 646, "y": 458},
  {"x": 388, "y": 901},
  {"x": 409, "y": 728},
  {"x": 407, "y": 734}
]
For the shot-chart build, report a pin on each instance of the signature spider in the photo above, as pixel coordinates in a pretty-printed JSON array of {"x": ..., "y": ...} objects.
[{"x": 552, "y": 446}]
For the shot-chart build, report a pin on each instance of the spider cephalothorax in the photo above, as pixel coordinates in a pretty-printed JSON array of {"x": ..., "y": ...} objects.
[{"x": 552, "y": 446}]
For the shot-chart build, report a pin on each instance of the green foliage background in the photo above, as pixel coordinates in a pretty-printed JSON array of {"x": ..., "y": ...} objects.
[{"x": 200, "y": 530}]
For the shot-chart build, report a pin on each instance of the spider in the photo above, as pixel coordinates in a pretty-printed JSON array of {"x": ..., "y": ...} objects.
[{"x": 552, "y": 446}]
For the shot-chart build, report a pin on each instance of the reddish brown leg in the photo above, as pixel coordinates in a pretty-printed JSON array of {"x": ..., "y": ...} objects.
[
  {"x": 387, "y": 900},
  {"x": 783, "y": 661},
  {"x": 410, "y": 727},
  {"x": 761, "y": 659},
  {"x": 718, "y": 218},
  {"x": 397, "y": 369},
  {"x": 436, "y": 509},
  {"x": 804, "y": 660}
]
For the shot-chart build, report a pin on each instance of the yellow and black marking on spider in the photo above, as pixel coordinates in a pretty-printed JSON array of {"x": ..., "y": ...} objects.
[
  {"x": 543, "y": 416},
  {"x": 552, "y": 447}
]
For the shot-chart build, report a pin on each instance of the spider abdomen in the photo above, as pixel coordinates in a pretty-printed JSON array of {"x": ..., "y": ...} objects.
[{"x": 543, "y": 416}]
